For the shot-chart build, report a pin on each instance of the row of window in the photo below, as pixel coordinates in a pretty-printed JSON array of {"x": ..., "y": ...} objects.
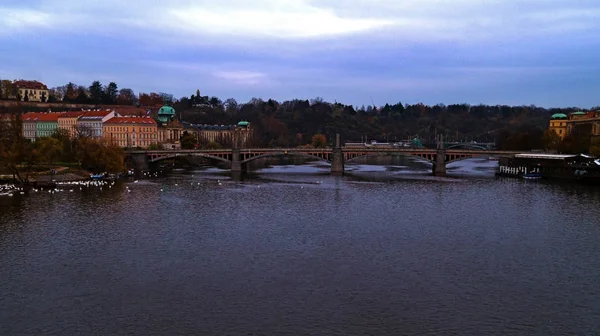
[
  {"x": 124, "y": 136},
  {"x": 129, "y": 129}
]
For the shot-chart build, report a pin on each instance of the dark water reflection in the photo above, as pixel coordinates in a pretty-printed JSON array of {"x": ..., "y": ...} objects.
[{"x": 303, "y": 254}]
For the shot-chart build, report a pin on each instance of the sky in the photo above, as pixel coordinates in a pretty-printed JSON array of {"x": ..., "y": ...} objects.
[{"x": 515, "y": 52}]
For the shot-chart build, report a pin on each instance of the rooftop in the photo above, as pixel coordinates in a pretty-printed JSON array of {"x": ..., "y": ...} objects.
[
  {"x": 545, "y": 156},
  {"x": 41, "y": 116},
  {"x": 558, "y": 116},
  {"x": 166, "y": 110},
  {"x": 131, "y": 120},
  {"x": 32, "y": 85}
]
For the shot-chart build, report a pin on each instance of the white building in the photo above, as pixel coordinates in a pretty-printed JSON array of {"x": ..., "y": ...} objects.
[{"x": 90, "y": 123}]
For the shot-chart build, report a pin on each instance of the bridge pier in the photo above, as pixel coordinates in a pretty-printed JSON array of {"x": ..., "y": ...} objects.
[
  {"x": 236, "y": 163},
  {"x": 439, "y": 166},
  {"x": 140, "y": 162},
  {"x": 337, "y": 157}
]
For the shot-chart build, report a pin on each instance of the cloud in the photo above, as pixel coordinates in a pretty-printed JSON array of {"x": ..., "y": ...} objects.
[
  {"x": 434, "y": 50},
  {"x": 241, "y": 77},
  {"x": 233, "y": 21}
]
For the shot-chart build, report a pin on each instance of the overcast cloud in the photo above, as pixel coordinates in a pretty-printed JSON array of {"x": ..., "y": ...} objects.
[{"x": 431, "y": 51}]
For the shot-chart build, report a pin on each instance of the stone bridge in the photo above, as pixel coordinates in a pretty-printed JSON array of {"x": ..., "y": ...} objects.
[{"x": 337, "y": 156}]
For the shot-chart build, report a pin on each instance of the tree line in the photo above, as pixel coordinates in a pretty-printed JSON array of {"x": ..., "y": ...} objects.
[{"x": 294, "y": 122}]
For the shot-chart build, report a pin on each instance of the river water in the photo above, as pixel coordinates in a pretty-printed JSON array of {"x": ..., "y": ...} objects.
[{"x": 295, "y": 251}]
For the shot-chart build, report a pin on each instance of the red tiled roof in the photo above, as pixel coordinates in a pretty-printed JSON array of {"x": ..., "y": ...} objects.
[
  {"x": 36, "y": 116},
  {"x": 71, "y": 114},
  {"x": 96, "y": 113},
  {"x": 33, "y": 85},
  {"x": 131, "y": 110},
  {"x": 131, "y": 120}
]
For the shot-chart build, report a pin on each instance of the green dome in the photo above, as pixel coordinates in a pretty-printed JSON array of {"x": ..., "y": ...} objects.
[
  {"x": 166, "y": 110},
  {"x": 558, "y": 116},
  {"x": 243, "y": 123},
  {"x": 579, "y": 113}
]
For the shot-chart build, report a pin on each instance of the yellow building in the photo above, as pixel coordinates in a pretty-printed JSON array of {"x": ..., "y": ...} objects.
[
  {"x": 563, "y": 125},
  {"x": 32, "y": 91},
  {"x": 67, "y": 122},
  {"x": 130, "y": 132},
  {"x": 222, "y": 134},
  {"x": 169, "y": 134}
]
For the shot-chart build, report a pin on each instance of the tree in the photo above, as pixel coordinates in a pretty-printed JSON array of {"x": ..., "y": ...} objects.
[
  {"x": 551, "y": 140},
  {"x": 44, "y": 98},
  {"x": 96, "y": 92},
  {"x": 70, "y": 94},
  {"x": 26, "y": 97},
  {"x": 110, "y": 94},
  {"x": 7, "y": 89},
  {"x": 126, "y": 97},
  {"x": 318, "y": 141},
  {"x": 82, "y": 96},
  {"x": 17, "y": 156},
  {"x": 595, "y": 146},
  {"x": 51, "y": 149},
  {"x": 188, "y": 140},
  {"x": 231, "y": 106},
  {"x": 167, "y": 98}
]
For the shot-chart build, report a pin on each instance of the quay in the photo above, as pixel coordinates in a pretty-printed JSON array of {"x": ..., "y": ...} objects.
[{"x": 552, "y": 166}]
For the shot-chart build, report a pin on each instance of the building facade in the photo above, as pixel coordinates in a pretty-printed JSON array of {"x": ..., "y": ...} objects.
[
  {"x": 563, "y": 125},
  {"x": 67, "y": 122},
  {"x": 90, "y": 123},
  {"x": 222, "y": 134},
  {"x": 130, "y": 132},
  {"x": 32, "y": 91},
  {"x": 30, "y": 126}
]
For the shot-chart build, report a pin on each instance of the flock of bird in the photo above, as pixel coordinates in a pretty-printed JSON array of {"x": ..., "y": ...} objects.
[{"x": 11, "y": 189}]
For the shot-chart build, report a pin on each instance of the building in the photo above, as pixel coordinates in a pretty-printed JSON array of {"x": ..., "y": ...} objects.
[
  {"x": 67, "y": 122},
  {"x": 130, "y": 132},
  {"x": 222, "y": 134},
  {"x": 564, "y": 124},
  {"x": 32, "y": 91},
  {"x": 90, "y": 123},
  {"x": 29, "y": 126},
  {"x": 39, "y": 125}
]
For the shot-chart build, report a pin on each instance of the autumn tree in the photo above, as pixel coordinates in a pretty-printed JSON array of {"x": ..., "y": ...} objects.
[
  {"x": 188, "y": 140},
  {"x": 551, "y": 140},
  {"x": 50, "y": 148},
  {"x": 6, "y": 88},
  {"x": 319, "y": 141},
  {"x": 17, "y": 156},
  {"x": 167, "y": 98},
  {"x": 126, "y": 97},
  {"x": 70, "y": 93}
]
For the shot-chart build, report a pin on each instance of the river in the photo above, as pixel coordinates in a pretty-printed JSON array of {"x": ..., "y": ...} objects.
[{"x": 295, "y": 251}]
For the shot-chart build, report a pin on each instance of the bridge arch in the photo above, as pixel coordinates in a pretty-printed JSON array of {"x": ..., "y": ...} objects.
[
  {"x": 467, "y": 157},
  {"x": 326, "y": 156},
  {"x": 468, "y": 145},
  {"x": 427, "y": 157},
  {"x": 174, "y": 156}
]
